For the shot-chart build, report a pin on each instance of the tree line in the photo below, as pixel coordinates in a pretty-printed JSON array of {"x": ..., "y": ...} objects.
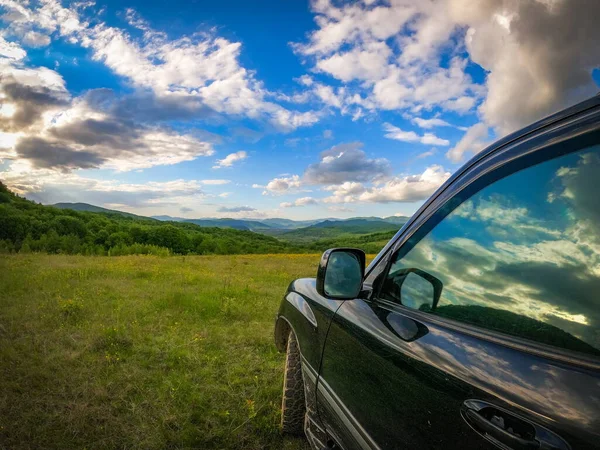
[{"x": 26, "y": 226}]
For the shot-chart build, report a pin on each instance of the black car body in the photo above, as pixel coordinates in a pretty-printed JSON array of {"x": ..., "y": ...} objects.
[{"x": 478, "y": 325}]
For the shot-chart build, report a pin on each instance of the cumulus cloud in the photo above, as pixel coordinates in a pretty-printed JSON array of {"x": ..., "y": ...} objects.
[
  {"x": 35, "y": 39},
  {"x": 393, "y": 132},
  {"x": 538, "y": 56},
  {"x": 202, "y": 66},
  {"x": 352, "y": 44},
  {"x": 230, "y": 159},
  {"x": 472, "y": 142},
  {"x": 281, "y": 185},
  {"x": 46, "y": 154},
  {"x": 303, "y": 201},
  {"x": 43, "y": 124},
  {"x": 347, "y": 192},
  {"x": 11, "y": 50},
  {"x": 346, "y": 162},
  {"x": 367, "y": 63},
  {"x": 29, "y": 93},
  {"x": 127, "y": 146},
  {"x": 409, "y": 188}
]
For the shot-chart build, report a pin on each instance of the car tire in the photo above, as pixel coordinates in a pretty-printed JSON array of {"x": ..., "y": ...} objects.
[{"x": 293, "y": 406}]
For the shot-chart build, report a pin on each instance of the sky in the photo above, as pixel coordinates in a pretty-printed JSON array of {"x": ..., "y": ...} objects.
[{"x": 289, "y": 109}]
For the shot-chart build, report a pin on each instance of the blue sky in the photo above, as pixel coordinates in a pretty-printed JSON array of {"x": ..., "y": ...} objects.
[{"x": 274, "y": 109}]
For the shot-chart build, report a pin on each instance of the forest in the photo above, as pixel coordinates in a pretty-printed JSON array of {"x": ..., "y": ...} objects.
[{"x": 26, "y": 226}]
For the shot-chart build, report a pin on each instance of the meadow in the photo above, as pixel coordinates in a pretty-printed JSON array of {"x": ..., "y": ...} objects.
[{"x": 142, "y": 352}]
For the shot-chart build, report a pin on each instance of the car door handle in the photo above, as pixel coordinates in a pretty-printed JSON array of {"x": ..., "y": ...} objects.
[
  {"x": 484, "y": 425},
  {"x": 506, "y": 429}
]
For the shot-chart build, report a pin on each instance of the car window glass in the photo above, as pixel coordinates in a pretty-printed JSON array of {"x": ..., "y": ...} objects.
[{"x": 521, "y": 256}]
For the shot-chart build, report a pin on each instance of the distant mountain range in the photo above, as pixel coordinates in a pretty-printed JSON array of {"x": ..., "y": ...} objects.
[
  {"x": 245, "y": 224},
  {"x": 334, "y": 229},
  {"x": 296, "y": 230}
]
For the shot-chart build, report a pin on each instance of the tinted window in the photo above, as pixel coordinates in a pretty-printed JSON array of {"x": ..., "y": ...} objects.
[{"x": 521, "y": 256}]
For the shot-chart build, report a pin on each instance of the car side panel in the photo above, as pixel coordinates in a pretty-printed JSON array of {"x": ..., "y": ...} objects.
[
  {"x": 398, "y": 393},
  {"x": 308, "y": 314}
]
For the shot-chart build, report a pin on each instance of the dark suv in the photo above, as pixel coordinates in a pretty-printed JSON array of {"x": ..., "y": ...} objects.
[{"x": 478, "y": 325}]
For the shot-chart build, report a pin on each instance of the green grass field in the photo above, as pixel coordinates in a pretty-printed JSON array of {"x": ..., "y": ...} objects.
[{"x": 142, "y": 352}]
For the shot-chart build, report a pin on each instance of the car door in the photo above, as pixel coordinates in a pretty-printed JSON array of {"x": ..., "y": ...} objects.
[{"x": 480, "y": 326}]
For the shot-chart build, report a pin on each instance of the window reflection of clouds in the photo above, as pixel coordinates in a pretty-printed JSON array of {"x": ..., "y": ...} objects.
[{"x": 528, "y": 244}]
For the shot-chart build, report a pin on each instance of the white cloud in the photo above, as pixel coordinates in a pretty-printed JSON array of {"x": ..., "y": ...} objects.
[
  {"x": 202, "y": 66},
  {"x": 281, "y": 185},
  {"x": 345, "y": 193},
  {"x": 430, "y": 123},
  {"x": 303, "y": 201},
  {"x": 11, "y": 50},
  {"x": 305, "y": 80},
  {"x": 345, "y": 162},
  {"x": 44, "y": 125},
  {"x": 538, "y": 55},
  {"x": 409, "y": 188},
  {"x": 35, "y": 39},
  {"x": 352, "y": 45},
  {"x": 396, "y": 133},
  {"x": 472, "y": 142},
  {"x": 327, "y": 95},
  {"x": 339, "y": 26},
  {"x": 230, "y": 159},
  {"x": 367, "y": 63}
]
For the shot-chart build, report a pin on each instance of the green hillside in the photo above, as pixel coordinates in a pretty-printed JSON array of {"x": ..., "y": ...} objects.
[
  {"x": 345, "y": 230},
  {"x": 238, "y": 224},
  {"x": 370, "y": 243},
  {"x": 26, "y": 226}
]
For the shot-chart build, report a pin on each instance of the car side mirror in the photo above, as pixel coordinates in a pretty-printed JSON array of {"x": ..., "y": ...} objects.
[
  {"x": 340, "y": 274},
  {"x": 417, "y": 289}
]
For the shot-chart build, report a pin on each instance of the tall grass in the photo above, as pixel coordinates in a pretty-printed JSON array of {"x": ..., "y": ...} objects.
[{"x": 142, "y": 351}]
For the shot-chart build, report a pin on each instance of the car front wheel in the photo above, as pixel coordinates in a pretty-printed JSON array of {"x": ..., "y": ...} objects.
[{"x": 293, "y": 408}]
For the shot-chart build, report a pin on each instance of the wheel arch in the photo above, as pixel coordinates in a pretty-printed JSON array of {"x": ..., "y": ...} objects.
[{"x": 282, "y": 332}]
